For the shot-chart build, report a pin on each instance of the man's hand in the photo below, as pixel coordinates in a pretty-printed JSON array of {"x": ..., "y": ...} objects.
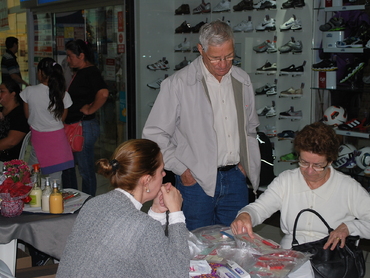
[{"x": 187, "y": 178}]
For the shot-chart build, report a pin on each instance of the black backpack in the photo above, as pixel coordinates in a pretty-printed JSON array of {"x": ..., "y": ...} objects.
[{"x": 267, "y": 159}]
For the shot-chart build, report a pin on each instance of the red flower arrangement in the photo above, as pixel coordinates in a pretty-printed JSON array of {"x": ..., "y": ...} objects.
[{"x": 15, "y": 188}]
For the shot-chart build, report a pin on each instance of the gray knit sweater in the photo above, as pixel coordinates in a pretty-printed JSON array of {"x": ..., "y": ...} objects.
[{"x": 111, "y": 238}]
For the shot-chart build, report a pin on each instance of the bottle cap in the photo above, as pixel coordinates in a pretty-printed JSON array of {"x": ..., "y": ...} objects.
[
  {"x": 47, "y": 181},
  {"x": 36, "y": 167},
  {"x": 55, "y": 185}
]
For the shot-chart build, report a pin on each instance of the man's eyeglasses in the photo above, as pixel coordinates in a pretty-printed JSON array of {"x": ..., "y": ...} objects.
[
  {"x": 218, "y": 60},
  {"x": 317, "y": 168}
]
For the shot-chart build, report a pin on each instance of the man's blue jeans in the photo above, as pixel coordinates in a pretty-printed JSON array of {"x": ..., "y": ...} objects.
[
  {"x": 85, "y": 160},
  {"x": 201, "y": 210}
]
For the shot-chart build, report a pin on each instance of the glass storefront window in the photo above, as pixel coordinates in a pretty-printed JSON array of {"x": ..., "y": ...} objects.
[{"x": 104, "y": 29}]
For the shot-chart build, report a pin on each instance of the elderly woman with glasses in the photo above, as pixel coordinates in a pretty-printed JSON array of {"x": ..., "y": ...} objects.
[{"x": 341, "y": 200}]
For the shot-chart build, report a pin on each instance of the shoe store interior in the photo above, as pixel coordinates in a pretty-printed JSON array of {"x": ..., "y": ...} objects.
[{"x": 308, "y": 61}]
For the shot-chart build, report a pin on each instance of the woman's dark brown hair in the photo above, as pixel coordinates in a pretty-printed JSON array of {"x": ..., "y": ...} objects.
[
  {"x": 318, "y": 138},
  {"x": 130, "y": 161}
]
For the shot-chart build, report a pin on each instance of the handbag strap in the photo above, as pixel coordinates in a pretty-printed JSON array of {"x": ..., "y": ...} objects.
[{"x": 295, "y": 241}]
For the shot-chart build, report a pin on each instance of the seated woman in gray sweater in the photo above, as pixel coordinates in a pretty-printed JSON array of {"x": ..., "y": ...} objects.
[{"x": 113, "y": 238}]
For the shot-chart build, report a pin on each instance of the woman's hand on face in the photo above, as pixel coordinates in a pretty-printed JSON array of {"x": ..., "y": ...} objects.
[
  {"x": 242, "y": 224},
  {"x": 172, "y": 197},
  {"x": 158, "y": 204},
  {"x": 338, "y": 236}
]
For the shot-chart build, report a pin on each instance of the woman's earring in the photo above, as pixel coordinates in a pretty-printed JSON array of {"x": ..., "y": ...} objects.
[{"x": 147, "y": 190}]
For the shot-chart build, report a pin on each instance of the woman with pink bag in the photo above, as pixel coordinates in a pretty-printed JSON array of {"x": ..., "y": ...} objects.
[{"x": 46, "y": 107}]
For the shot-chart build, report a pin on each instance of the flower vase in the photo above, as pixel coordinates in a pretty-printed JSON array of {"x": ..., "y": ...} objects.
[{"x": 11, "y": 207}]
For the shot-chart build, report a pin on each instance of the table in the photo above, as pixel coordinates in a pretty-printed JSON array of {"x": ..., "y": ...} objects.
[{"x": 46, "y": 232}]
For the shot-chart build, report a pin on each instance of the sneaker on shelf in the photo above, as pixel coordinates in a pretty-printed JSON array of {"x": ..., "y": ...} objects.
[
  {"x": 183, "y": 9},
  {"x": 271, "y": 47},
  {"x": 293, "y": 69},
  {"x": 237, "y": 62},
  {"x": 297, "y": 25},
  {"x": 197, "y": 27},
  {"x": 268, "y": 24},
  {"x": 270, "y": 131},
  {"x": 243, "y": 5},
  {"x": 291, "y": 114},
  {"x": 334, "y": 24},
  {"x": 265, "y": 4},
  {"x": 271, "y": 91},
  {"x": 183, "y": 28},
  {"x": 223, "y": 6},
  {"x": 268, "y": 67},
  {"x": 160, "y": 65},
  {"x": 182, "y": 64},
  {"x": 286, "y": 134},
  {"x": 262, "y": 90},
  {"x": 202, "y": 8},
  {"x": 325, "y": 65},
  {"x": 244, "y": 26},
  {"x": 352, "y": 124},
  {"x": 183, "y": 46},
  {"x": 352, "y": 70},
  {"x": 157, "y": 83},
  {"x": 263, "y": 111},
  {"x": 291, "y": 92},
  {"x": 261, "y": 47},
  {"x": 290, "y": 157},
  {"x": 291, "y": 46},
  {"x": 271, "y": 112},
  {"x": 293, "y": 4},
  {"x": 288, "y": 24},
  {"x": 351, "y": 42}
]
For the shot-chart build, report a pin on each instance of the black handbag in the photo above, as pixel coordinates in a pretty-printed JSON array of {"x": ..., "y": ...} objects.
[{"x": 346, "y": 262}]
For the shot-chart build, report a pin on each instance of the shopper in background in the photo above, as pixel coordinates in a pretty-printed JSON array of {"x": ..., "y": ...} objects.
[
  {"x": 339, "y": 198},
  {"x": 14, "y": 126},
  {"x": 46, "y": 107},
  {"x": 204, "y": 120},
  {"x": 88, "y": 92},
  {"x": 113, "y": 238},
  {"x": 9, "y": 65}
]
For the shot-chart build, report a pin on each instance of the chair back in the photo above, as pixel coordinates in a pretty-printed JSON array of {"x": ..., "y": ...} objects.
[{"x": 26, "y": 148}]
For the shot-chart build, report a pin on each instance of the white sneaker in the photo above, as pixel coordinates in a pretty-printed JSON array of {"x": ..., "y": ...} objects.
[
  {"x": 160, "y": 65},
  {"x": 267, "y": 24},
  {"x": 272, "y": 113},
  {"x": 271, "y": 91},
  {"x": 223, "y": 6},
  {"x": 258, "y": 4},
  {"x": 157, "y": 83},
  {"x": 297, "y": 25},
  {"x": 288, "y": 24},
  {"x": 271, "y": 130},
  {"x": 184, "y": 46},
  {"x": 244, "y": 26}
]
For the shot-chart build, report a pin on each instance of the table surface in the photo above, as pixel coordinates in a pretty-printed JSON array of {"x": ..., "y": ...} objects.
[{"x": 46, "y": 232}]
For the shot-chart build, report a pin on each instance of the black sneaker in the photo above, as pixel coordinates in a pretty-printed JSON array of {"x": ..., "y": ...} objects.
[
  {"x": 293, "y": 4},
  {"x": 183, "y": 9},
  {"x": 183, "y": 64},
  {"x": 325, "y": 65},
  {"x": 197, "y": 27},
  {"x": 291, "y": 68},
  {"x": 183, "y": 28},
  {"x": 243, "y": 5}
]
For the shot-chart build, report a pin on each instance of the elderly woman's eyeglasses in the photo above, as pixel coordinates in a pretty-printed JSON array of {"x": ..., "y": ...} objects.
[
  {"x": 316, "y": 167},
  {"x": 218, "y": 60}
]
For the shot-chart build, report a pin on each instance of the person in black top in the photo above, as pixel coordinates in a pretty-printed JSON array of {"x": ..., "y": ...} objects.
[
  {"x": 88, "y": 92},
  {"x": 9, "y": 65},
  {"x": 14, "y": 126}
]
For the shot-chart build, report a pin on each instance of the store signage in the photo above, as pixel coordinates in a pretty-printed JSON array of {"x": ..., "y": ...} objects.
[
  {"x": 4, "y": 24},
  {"x": 120, "y": 33}
]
